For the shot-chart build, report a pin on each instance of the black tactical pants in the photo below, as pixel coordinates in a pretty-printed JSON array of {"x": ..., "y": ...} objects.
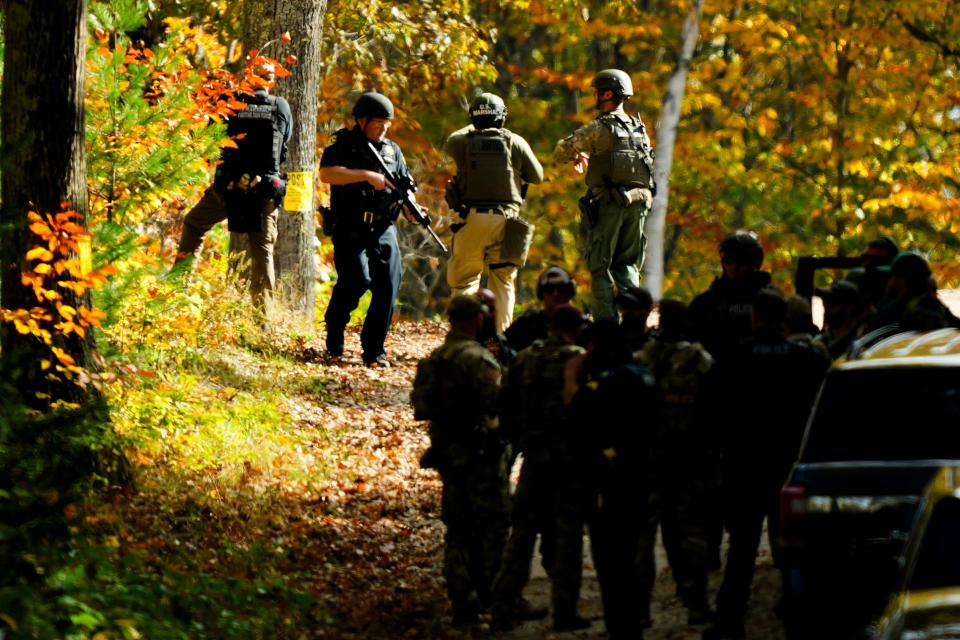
[
  {"x": 746, "y": 505},
  {"x": 364, "y": 259},
  {"x": 622, "y": 537}
]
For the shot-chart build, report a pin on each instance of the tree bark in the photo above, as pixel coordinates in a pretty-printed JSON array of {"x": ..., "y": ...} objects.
[
  {"x": 295, "y": 251},
  {"x": 666, "y": 138},
  {"x": 43, "y": 159}
]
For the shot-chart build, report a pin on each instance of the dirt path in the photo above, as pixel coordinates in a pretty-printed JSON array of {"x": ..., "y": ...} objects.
[{"x": 389, "y": 582}]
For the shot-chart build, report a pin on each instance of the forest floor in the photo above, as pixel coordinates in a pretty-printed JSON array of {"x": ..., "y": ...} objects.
[{"x": 333, "y": 531}]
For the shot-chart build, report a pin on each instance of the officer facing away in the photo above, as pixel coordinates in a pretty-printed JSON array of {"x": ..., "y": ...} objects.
[
  {"x": 493, "y": 165},
  {"x": 615, "y": 152},
  {"x": 363, "y": 202},
  {"x": 247, "y": 187},
  {"x": 456, "y": 389}
]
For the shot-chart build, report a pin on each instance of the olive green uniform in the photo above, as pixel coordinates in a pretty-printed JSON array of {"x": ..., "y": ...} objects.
[
  {"x": 549, "y": 492},
  {"x": 620, "y": 194},
  {"x": 685, "y": 470}
]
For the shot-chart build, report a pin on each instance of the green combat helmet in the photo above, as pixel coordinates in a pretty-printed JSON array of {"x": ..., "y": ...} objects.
[
  {"x": 373, "y": 105},
  {"x": 488, "y": 110},
  {"x": 615, "y": 80}
]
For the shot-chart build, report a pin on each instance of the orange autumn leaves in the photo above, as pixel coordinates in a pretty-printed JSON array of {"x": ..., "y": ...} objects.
[{"x": 57, "y": 269}]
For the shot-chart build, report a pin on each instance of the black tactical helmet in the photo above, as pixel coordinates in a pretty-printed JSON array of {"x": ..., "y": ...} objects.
[
  {"x": 743, "y": 245},
  {"x": 615, "y": 80},
  {"x": 373, "y": 105},
  {"x": 558, "y": 277},
  {"x": 487, "y": 110}
]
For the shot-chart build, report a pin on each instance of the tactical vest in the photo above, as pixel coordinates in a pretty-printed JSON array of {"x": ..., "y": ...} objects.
[
  {"x": 486, "y": 177},
  {"x": 542, "y": 379},
  {"x": 258, "y": 150},
  {"x": 628, "y": 161}
]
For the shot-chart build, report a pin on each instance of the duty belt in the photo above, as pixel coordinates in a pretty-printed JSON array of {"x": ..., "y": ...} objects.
[{"x": 494, "y": 210}]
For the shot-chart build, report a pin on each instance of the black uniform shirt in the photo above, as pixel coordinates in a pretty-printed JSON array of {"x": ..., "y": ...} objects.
[{"x": 351, "y": 151}]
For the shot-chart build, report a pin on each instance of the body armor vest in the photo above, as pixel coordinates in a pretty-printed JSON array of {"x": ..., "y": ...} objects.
[
  {"x": 258, "y": 150},
  {"x": 626, "y": 158},
  {"x": 487, "y": 177}
]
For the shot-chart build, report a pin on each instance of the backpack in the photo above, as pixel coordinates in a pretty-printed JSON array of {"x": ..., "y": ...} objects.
[{"x": 435, "y": 387}]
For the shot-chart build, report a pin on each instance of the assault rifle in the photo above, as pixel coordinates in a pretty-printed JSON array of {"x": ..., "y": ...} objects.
[{"x": 405, "y": 190}]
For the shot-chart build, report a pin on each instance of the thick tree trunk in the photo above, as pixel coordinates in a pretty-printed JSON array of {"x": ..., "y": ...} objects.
[
  {"x": 666, "y": 137},
  {"x": 266, "y": 20},
  {"x": 43, "y": 158}
]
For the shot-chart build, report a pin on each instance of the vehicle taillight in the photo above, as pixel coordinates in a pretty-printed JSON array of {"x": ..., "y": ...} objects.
[{"x": 793, "y": 506}]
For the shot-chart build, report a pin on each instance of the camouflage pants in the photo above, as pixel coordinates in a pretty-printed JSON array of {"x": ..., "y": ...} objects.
[
  {"x": 684, "y": 513},
  {"x": 474, "y": 510},
  {"x": 542, "y": 499}
]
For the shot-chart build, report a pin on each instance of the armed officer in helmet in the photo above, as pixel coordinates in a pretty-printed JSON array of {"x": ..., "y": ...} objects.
[
  {"x": 493, "y": 166},
  {"x": 364, "y": 205},
  {"x": 615, "y": 152},
  {"x": 247, "y": 187}
]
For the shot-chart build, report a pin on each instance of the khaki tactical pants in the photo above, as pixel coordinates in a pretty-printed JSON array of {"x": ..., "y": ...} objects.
[
  {"x": 212, "y": 209},
  {"x": 478, "y": 244}
]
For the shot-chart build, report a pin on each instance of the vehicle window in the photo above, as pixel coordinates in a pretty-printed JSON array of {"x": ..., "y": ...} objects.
[
  {"x": 897, "y": 413},
  {"x": 938, "y": 556}
]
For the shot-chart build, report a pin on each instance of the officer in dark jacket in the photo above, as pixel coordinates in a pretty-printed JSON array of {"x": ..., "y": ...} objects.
[
  {"x": 247, "y": 188},
  {"x": 555, "y": 286},
  {"x": 364, "y": 206},
  {"x": 764, "y": 390},
  {"x": 721, "y": 316},
  {"x": 616, "y": 455}
]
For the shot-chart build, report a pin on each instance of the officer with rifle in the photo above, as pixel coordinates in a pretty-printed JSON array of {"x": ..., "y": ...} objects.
[
  {"x": 615, "y": 152},
  {"x": 370, "y": 187},
  {"x": 247, "y": 187}
]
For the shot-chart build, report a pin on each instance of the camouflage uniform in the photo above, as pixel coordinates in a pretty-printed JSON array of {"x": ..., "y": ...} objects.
[
  {"x": 685, "y": 467},
  {"x": 612, "y": 243},
  {"x": 547, "y": 492},
  {"x": 456, "y": 389}
]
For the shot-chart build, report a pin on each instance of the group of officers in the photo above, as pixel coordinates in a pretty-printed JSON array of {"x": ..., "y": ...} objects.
[
  {"x": 494, "y": 167},
  {"x": 691, "y": 426}
]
